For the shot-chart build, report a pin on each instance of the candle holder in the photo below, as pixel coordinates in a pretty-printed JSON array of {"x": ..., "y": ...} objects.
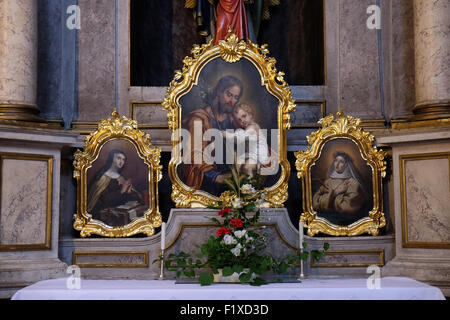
[
  {"x": 161, "y": 273},
  {"x": 300, "y": 247},
  {"x": 301, "y": 276}
]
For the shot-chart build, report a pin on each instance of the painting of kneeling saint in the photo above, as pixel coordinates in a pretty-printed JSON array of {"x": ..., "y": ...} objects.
[
  {"x": 117, "y": 191},
  {"x": 341, "y": 183}
]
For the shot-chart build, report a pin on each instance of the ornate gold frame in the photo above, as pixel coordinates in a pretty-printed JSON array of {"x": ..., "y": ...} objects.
[
  {"x": 230, "y": 50},
  {"x": 379, "y": 252},
  {"x": 345, "y": 127},
  {"x": 77, "y": 254},
  {"x": 113, "y": 129}
]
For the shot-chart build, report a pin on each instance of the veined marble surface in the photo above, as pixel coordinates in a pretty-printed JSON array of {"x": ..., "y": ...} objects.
[
  {"x": 23, "y": 215},
  {"x": 432, "y": 43},
  {"x": 428, "y": 200},
  {"x": 96, "y": 58},
  {"x": 18, "y": 38}
]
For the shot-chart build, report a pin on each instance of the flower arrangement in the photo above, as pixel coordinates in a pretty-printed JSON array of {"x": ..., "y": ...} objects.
[{"x": 238, "y": 244}]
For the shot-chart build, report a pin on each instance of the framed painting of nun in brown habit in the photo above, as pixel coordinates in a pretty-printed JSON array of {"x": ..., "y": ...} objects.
[
  {"x": 341, "y": 174},
  {"x": 117, "y": 181}
]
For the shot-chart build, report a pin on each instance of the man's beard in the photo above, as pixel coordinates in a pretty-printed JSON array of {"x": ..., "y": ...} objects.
[{"x": 225, "y": 108}]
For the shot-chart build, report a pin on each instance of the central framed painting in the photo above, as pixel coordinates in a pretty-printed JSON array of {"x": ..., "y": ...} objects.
[{"x": 228, "y": 107}]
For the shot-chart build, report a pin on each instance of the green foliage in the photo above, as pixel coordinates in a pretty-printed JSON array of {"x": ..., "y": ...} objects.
[
  {"x": 205, "y": 279},
  {"x": 239, "y": 243}
]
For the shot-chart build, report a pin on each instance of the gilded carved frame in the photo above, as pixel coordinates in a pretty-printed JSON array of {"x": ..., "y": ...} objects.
[
  {"x": 347, "y": 128},
  {"x": 231, "y": 51},
  {"x": 112, "y": 130}
]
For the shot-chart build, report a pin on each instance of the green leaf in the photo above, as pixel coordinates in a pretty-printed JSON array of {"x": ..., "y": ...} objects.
[
  {"x": 317, "y": 255},
  {"x": 227, "y": 271},
  {"x": 258, "y": 281},
  {"x": 304, "y": 256},
  {"x": 283, "y": 267},
  {"x": 189, "y": 274},
  {"x": 230, "y": 184},
  {"x": 304, "y": 245},
  {"x": 250, "y": 207},
  {"x": 245, "y": 277},
  {"x": 238, "y": 268},
  {"x": 205, "y": 279},
  {"x": 326, "y": 246},
  {"x": 235, "y": 176}
]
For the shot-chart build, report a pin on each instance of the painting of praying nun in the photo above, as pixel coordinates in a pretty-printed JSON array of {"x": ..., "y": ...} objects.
[{"x": 342, "y": 187}]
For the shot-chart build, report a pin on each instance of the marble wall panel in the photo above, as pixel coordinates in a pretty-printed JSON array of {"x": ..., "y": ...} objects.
[
  {"x": 149, "y": 114},
  {"x": 23, "y": 217},
  {"x": 358, "y": 66},
  {"x": 427, "y": 200},
  {"x": 96, "y": 58}
]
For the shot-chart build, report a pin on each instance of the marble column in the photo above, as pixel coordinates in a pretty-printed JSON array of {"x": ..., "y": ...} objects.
[
  {"x": 18, "y": 61},
  {"x": 432, "y": 59}
]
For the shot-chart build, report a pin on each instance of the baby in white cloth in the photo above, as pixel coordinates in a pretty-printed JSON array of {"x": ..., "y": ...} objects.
[{"x": 247, "y": 129}]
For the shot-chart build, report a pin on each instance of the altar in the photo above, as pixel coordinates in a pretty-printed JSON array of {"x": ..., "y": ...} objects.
[{"x": 390, "y": 288}]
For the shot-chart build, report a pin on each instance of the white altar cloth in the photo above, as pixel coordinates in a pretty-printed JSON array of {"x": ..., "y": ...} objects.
[{"x": 391, "y": 288}]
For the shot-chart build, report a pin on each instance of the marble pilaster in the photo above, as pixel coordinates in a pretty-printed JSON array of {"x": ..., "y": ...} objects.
[
  {"x": 18, "y": 61},
  {"x": 358, "y": 62},
  {"x": 432, "y": 58},
  {"x": 30, "y": 161},
  {"x": 421, "y": 178},
  {"x": 96, "y": 58}
]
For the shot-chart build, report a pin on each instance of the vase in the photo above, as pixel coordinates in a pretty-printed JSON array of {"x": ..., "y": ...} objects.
[{"x": 234, "y": 278}]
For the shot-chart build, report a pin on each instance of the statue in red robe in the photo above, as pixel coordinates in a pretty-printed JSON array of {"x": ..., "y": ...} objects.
[{"x": 231, "y": 13}]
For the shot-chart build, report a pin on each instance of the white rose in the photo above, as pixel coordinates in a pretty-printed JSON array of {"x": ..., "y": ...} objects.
[
  {"x": 228, "y": 239},
  {"x": 259, "y": 203},
  {"x": 247, "y": 189},
  {"x": 237, "y": 203},
  {"x": 236, "y": 251},
  {"x": 240, "y": 233}
]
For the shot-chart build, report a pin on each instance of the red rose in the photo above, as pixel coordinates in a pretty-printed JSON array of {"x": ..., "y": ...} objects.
[
  {"x": 223, "y": 211},
  {"x": 222, "y": 231},
  {"x": 237, "y": 223}
]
